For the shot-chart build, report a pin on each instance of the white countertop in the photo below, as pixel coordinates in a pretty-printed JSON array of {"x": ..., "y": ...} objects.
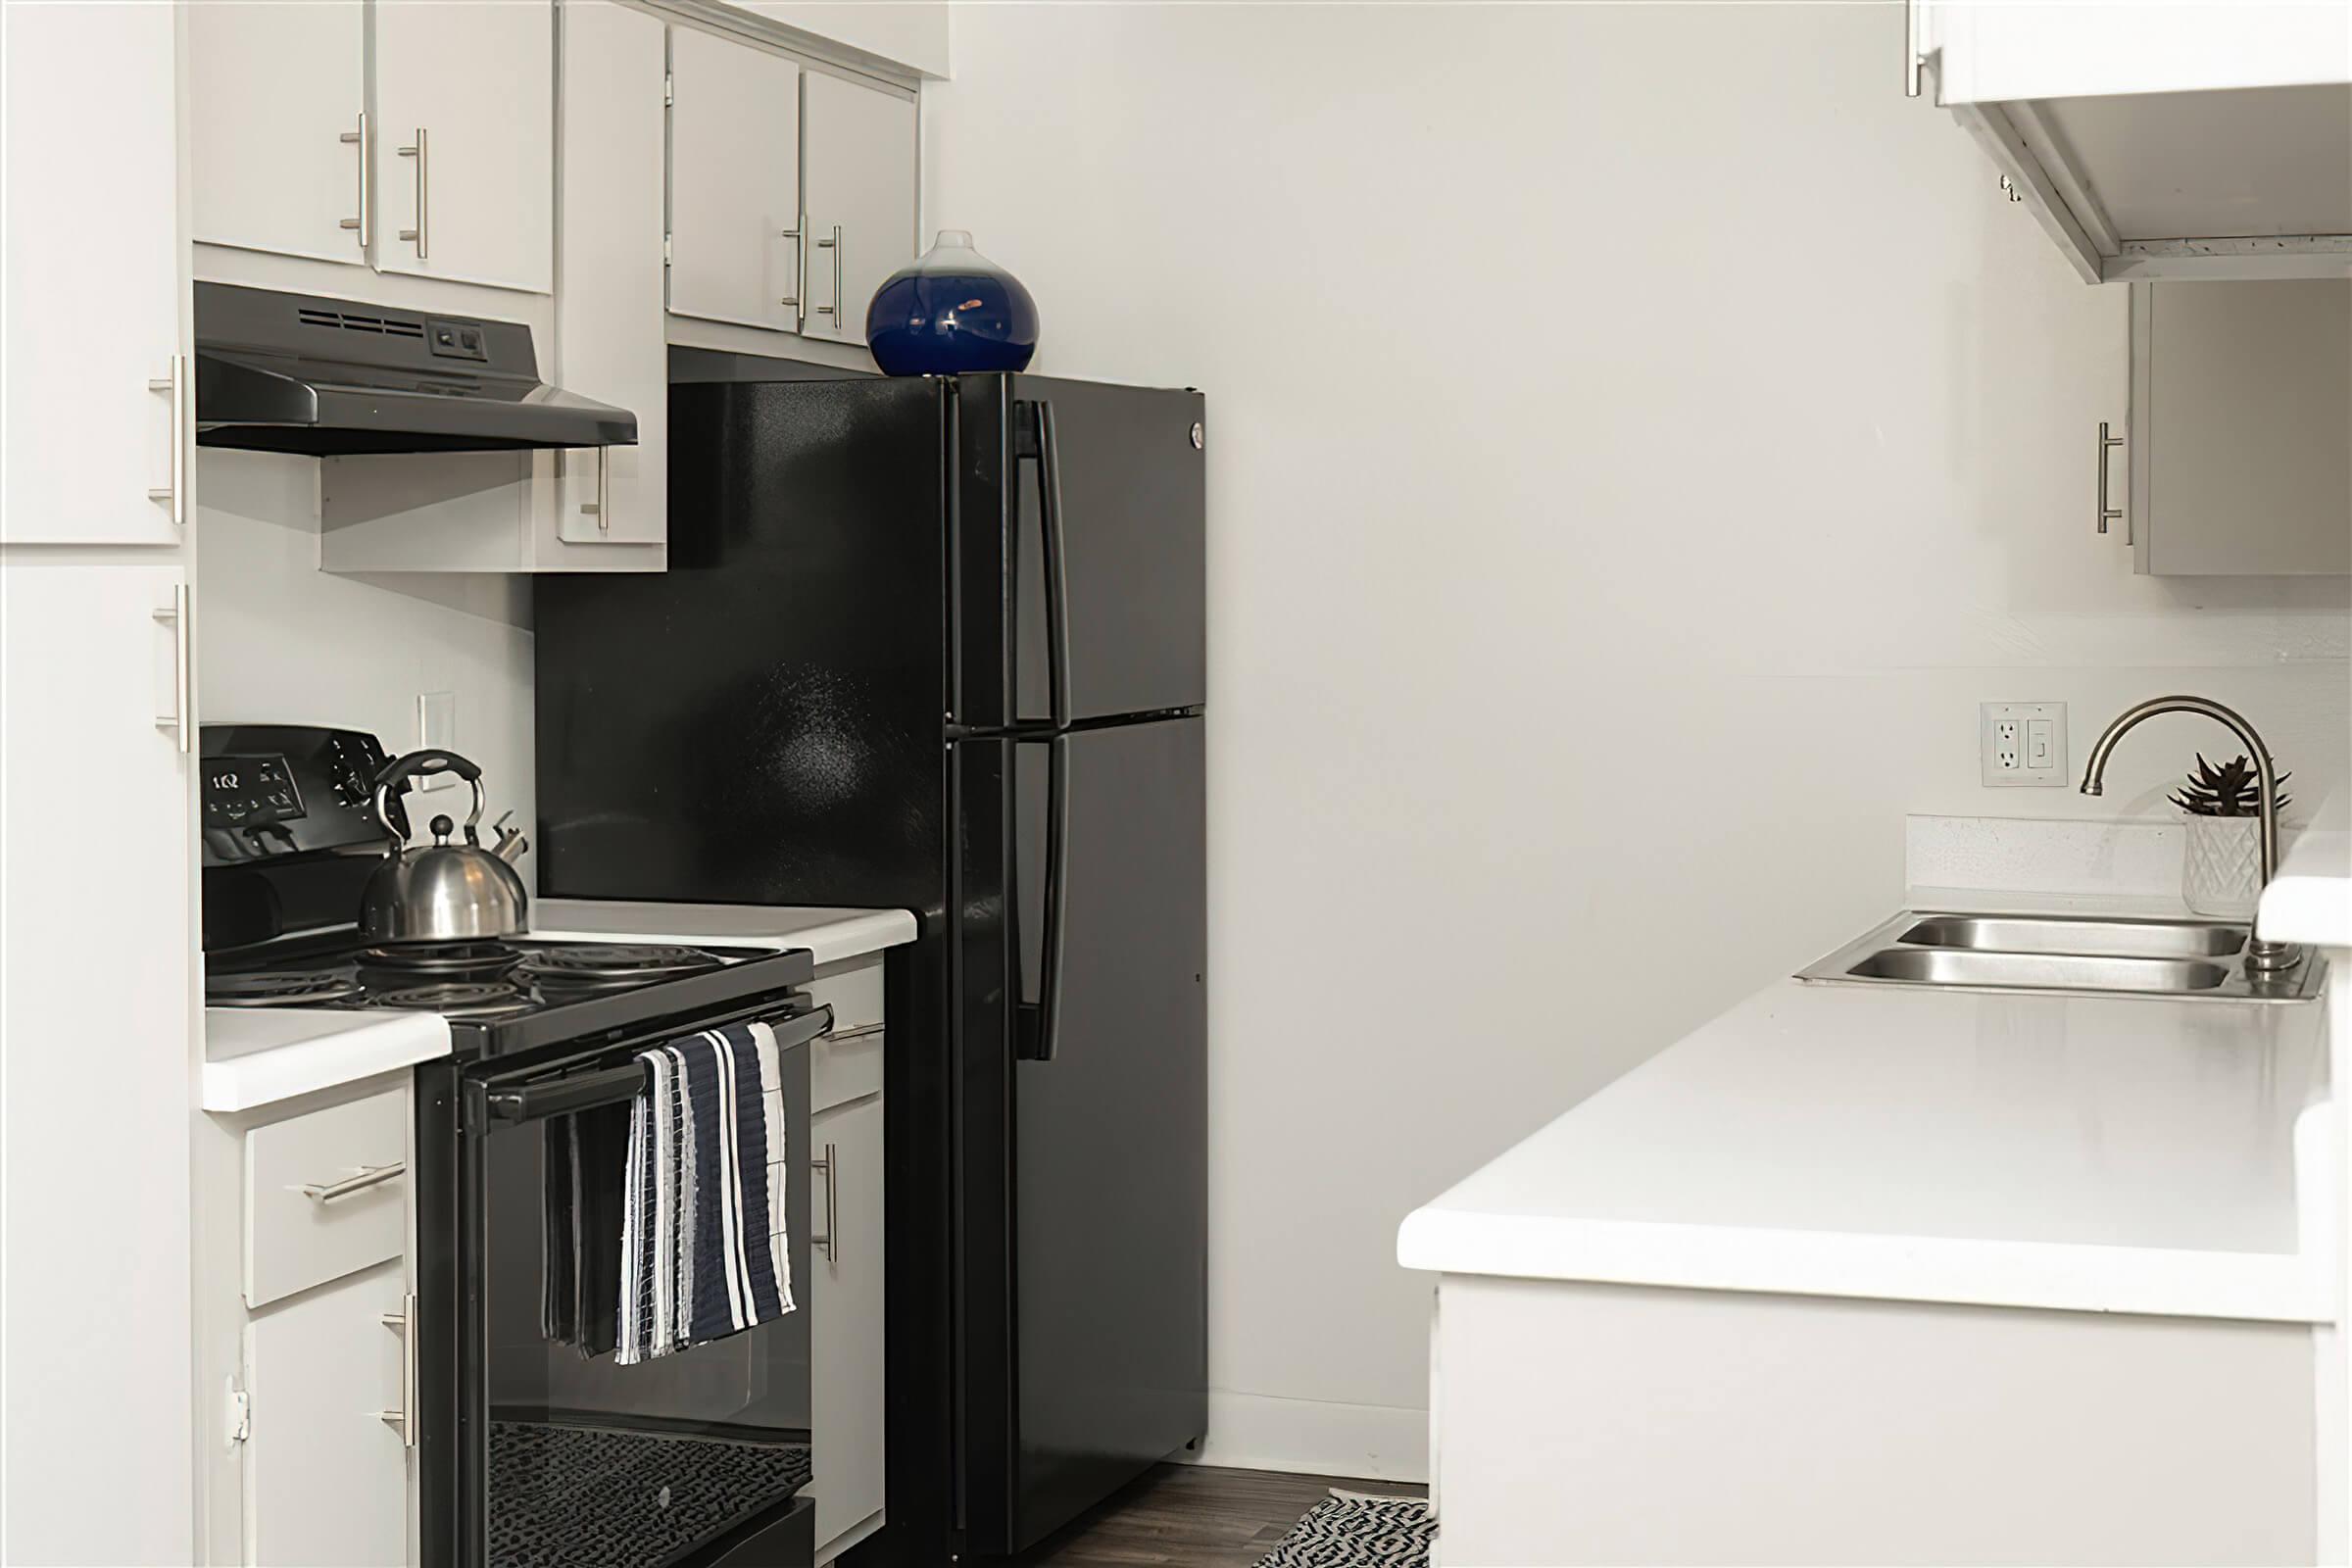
[
  {"x": 2099, "y": 1153},
  {"x": 255, "y": 1055},
  {"x": 831, "y": 935}
]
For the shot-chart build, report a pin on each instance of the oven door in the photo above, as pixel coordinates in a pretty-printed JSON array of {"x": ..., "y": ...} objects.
[{"x": 566, "y": 1459}]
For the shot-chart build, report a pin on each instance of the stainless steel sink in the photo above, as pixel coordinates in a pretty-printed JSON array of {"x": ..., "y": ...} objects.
[
  {"x": 2041, "y": 971},
  {"x": 2041, "y": 954},
  {"x": 2121, "y": 938}
]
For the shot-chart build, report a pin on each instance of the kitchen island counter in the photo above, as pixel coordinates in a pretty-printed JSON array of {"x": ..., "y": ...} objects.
[{"x": 2099, "y": 1153}]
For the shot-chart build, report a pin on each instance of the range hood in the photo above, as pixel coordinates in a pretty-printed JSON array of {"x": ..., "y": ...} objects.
[{"x": 301, "y": 373}]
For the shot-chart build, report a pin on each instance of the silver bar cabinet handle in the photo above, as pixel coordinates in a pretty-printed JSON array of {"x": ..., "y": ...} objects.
[
  {"x": 181, "y": 720},
  {"x": 831, "y": 1239},
  {"x": 372, "y": 1176},
  {"x": 834, "y": 245},
  {"x": 424, "y": 191},
  {"x": 2107, "y": 444},
  {"x": 603, "y": 489},
  {"x": 366, "y": 230},
  {"x": 798, "y": 235},
  {"x": 1911, "y": 48},
  {"x": 404, "y": 1322},
  {"x": 176, "y": 492}
]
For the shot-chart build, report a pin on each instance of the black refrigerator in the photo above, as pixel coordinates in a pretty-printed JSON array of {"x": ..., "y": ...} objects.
[{"x": 939, "y": 644}]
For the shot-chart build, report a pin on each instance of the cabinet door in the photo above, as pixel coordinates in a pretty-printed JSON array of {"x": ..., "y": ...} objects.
[
  {"x": 94, "y": 838},
  {"x": 734, "y": 183},
  {"x": 2242, "y": 394},
  {"x": 464, "y": 156},
  {"x": 861, "y": 195},
  {"x": 610, "y": 342},
  {"x": 325, "y": 1474},
  {"x": 278, "y": 95},
  {"x": 846, "y": 1296},
  {"x": 96, "y": 295}
]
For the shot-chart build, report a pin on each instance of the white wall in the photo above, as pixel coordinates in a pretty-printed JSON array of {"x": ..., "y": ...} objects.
[
  {"x": 1638, "y": 438},
  {"x": 278, "y": 641}
]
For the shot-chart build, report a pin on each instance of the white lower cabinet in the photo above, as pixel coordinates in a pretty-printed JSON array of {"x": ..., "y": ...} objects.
[
  {"x": 844, "y": 1292},
  {"x": 845, "y": 1285},
  {"x": 325, "y": 1466},
  {"x": 95, "y": 836},
  {"x": 304, "y": 1211}
]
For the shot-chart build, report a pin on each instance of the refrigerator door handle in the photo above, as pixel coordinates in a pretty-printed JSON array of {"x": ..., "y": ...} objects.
[
  {"x": 1057, "y": 576},
  {"x": 1040, "y": 1035}
]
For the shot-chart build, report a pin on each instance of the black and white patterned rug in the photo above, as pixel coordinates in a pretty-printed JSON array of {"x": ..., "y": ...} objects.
[
  {"x": 1356, "y": 1529},
  {"x": 589, "y": 1497}
]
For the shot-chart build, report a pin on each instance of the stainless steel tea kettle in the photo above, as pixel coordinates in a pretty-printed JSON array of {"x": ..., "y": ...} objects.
[{"x": 442, "y": 892}]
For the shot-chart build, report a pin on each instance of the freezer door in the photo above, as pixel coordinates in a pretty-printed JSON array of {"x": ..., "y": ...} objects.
[
  {"x": 1082, "y": 1007},
  {"x": 1082, "y": 531}
]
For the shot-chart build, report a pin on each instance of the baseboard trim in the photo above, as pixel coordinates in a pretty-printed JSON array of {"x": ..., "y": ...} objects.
[{"x": 1313, "y": 1437}]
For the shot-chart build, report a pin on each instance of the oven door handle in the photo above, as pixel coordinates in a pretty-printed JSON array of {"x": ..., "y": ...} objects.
[{"x": 612, "y": 1086}]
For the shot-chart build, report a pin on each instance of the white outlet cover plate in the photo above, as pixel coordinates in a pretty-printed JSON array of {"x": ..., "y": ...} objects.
[{"x": 2021, "y": 743}]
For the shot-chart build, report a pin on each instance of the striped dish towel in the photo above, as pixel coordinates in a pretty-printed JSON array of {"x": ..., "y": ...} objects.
[{"x": 703, "y": 1244}]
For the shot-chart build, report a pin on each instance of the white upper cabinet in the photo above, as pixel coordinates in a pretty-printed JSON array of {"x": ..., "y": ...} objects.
[
  {"x": 2242, "y": 395},
  {"x": 609, "y": 341},
  {"x": 736, "y": 247},
  {"x": 100, "y": 411},
  {"x": 465, "y": 144},
  {"x": 861, "y": 161},
  {"x": 277, "y": 124},
  {"x": 2159, "y": 140}
]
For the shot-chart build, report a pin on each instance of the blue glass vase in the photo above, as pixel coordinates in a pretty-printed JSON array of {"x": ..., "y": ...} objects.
[{"x": 952, "y": 311}]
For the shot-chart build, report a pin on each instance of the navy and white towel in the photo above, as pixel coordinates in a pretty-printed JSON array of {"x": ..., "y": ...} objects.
[{"x": 704, "y": 1253}]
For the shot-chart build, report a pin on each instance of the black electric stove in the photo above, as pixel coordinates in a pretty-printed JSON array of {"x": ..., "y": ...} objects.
[
  {"x": 704, "y": 1457},
  {"x": 503, "y": 997},
  {"x": 290, "y": 840}
]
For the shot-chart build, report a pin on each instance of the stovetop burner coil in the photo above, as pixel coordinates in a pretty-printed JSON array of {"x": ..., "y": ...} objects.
[
  {"x": 607, "y": 964},
  {"x": 441, "y": 961},
  {"x": 279, "y": 988}
]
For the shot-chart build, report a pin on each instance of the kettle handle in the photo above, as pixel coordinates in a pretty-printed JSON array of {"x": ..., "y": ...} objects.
[{"x": 393, "y": 779}]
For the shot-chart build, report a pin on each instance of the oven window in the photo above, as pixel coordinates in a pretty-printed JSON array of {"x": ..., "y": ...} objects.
[{"x": 594, "y": 1464}]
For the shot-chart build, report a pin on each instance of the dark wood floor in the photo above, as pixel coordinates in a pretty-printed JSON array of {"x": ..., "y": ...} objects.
[{"x": 1193, "y": 1516}]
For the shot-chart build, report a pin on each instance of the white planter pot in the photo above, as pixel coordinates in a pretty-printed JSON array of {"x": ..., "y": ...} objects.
[{"x": 2221, "y": 872}]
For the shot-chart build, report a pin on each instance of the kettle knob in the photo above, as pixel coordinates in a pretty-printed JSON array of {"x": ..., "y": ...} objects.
[{"x": 442, "y": 827}]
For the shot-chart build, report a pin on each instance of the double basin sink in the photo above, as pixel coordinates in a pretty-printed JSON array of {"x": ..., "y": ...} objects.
[{"x": 2176, "y": 959}]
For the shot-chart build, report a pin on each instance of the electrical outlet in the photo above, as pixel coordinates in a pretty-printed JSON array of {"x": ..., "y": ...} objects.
[
  {"x": 436, "y": 731},
  {"x": 2021, "y": 743}
]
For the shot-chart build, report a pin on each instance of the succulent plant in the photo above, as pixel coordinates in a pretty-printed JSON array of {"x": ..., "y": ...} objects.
[{"x": 2231, "y": 790}]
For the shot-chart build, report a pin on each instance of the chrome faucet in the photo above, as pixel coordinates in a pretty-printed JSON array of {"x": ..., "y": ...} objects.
[{"x": 2262, "y": 957}]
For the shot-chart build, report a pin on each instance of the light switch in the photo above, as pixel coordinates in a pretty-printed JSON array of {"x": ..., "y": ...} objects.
[{"x": 2021, "y": 743}]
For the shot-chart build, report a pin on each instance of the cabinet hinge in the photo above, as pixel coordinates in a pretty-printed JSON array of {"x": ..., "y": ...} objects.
[
  {"x": 669, "y": 89},
  {"x": 239, "y": 1414},
  {"x": 666, "y": 250}
]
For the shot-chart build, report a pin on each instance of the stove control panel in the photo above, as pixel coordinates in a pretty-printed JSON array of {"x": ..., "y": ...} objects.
[
  {"x": 277, "y": 790},
  {"x": 249, "y": 791}
]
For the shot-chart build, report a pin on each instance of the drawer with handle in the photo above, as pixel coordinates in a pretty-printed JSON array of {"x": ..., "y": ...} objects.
[{"x": 326, "y": 1193}]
